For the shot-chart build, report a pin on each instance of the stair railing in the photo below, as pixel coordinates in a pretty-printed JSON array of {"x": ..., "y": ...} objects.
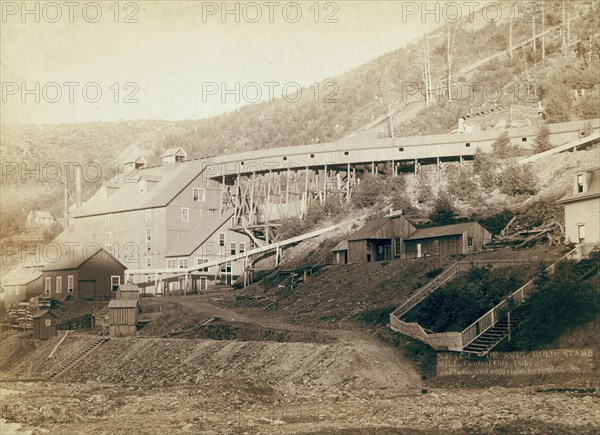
[
  {"x": 426, "y": 290},
  {"x": 489, "y": 319}
]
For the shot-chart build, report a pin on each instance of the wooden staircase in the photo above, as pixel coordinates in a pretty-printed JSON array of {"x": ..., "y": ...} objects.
[
  {"x": 495, "y": 335},
  {"x": 70, "y": 362}
]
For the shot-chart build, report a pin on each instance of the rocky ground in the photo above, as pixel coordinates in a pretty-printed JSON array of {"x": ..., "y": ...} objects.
[
  {"x": 302, "y": 366},
  {"x": 222, "y": 405}
]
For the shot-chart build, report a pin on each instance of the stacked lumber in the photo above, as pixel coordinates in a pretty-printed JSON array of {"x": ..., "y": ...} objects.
[{"x": 522, "y": 236}]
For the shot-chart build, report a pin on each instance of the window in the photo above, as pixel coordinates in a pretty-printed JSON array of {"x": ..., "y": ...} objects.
[
  {"x": 70, "y": 286},
  {"x": 199, "y": 194},
  {"x": 401, "y": 149},
  {"x": 470, "y": 242},
  {"x": 346, "y": 153},
  {"x": 108, "y": 239},
  {"x": 108, "y": 220},
  {"x": 200, "y": 261},
  {"x": 17, "y": 290},
  {"x": 233, "y": 248},
  {"x": 171, "y": 263},
  {"x": 397, "y": 246},
  {"x": 436, "y": 247},
  {"x": 148, "y": 241},
  {"x": 185, "y": 214},
  {"x": 581, "y": 233},
  {"x": 242, "y": 248},
  {"x": 284, "y": 157},
  {"x": 312, "y": 156},
  {"x": 59, "y": 284},
  {"x": 115, "y": 280},
  {"x": 523, "y": 139},
  {"x": 183, "y": 263},
  {"x": 142, "y": 186},
  {"x": 221, "y": 239},
  {"x": 579, "y": 183},
  {"x": 148, "y": 279},
  {"x": 468, "y": 144},
  {"x": 148, "y": 262},
  {"x": 226, "y": 268},
  {"x": 48, "y": 322},
  {"x": 48, "y": 285},
  {"x": 149, "y": 215}
]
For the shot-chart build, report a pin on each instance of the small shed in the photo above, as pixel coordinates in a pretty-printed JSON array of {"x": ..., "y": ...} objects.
[
  {"x": 340, "y": 252},
  {"x": 39, "y": 218},
  {"x": 128, "y": 291},
  {"x": 44, "y": 325},
  {"x": 463, "y": 238},
  {"x": 380, "y": 239},
  {"x": 123, "y": 317},
  {"x": 173, "y": 155}
]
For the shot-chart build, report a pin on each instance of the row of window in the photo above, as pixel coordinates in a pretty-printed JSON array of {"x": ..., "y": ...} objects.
[{"x": 59, "y": 284}]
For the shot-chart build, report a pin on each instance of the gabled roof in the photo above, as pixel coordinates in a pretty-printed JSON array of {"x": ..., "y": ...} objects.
[
  {"x": 75, "y": 257},
  {"x": 123, "y": 303},
  {"x": 129, "y": 288},
  {"x": 369, "y": 228},
  {"x": 138, "y": 159},
  {"x": 172, "y": 180},
  {"x": 21, "y": 276},
  {"x": 592, "y": 191},
  {"x": 445, "y": 230},
  {"x": 198, "y": 236},
  {"x": 42, "y": 313},
  {"x": 173, "y": 152},
  {"x": 342, "y": 246}
]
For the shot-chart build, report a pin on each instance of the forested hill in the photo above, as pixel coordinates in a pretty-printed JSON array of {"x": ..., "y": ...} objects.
[{"x": 350, "y": 101}]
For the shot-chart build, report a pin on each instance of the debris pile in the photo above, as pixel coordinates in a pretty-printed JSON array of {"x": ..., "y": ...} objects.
[{"x": 524, "y": 236}]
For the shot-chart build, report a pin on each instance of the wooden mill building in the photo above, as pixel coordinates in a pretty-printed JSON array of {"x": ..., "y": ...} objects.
[{"x": 89, "y": 273}]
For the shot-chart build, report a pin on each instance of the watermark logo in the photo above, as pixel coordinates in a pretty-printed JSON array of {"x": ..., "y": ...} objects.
[
  {"x": 253, "y": 92},
  {"x": 271, "y": 12},
  {"x": 71, "y": 92},
  {"x": 70, "y": 11},
  {"x": 452, "y": 12}
]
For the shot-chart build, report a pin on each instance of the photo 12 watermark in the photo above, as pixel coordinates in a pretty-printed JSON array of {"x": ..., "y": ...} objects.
[
  {"x": 253, "y": 92},
  {"x": 69, "y": 92},
  {"x": 52, "y": 12},
  {"x": 270, "y": 12}
]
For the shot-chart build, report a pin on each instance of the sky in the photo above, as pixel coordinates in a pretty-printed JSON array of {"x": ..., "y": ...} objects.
[{"x": 174, "y": 60}]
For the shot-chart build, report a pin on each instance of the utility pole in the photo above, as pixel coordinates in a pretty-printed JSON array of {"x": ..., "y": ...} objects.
[
  {"x": 387, "y": 88},
  {"x": 563, "y": 30}
]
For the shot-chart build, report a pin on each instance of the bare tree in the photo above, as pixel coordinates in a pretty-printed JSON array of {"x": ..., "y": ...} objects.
[{"x": 451, "y": 36}]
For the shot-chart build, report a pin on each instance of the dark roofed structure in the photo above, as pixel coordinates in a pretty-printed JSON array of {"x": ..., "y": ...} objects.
[{"x": 441, "y": 231}]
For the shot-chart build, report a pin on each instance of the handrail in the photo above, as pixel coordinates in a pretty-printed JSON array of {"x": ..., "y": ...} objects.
[
  {"x": 427, "y": 290},
  {"x": 489, "y": 319}
]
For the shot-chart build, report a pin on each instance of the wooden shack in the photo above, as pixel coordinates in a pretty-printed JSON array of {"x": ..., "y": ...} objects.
[
  {"x": 123, "y": 317},
  {"x": 340, "y": 252},
  {"x": 380, "y": 239},
  {"x": 463, "y": 238},
  {"x": 128, "y": 291},
  {"x": 44, "y": 325}
]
